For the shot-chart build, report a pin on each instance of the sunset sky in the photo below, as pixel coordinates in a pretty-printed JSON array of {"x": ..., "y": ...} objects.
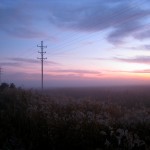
[{"x": 89, "y": 42}]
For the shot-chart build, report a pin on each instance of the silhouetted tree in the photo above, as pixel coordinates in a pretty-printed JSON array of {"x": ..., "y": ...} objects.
[
  {"x": 12, "y": 86},
  {"x": 4, "y": 86}
]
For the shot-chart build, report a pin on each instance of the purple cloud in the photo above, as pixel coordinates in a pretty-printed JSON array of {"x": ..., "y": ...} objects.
[
  {"x": 34, "y": 61},
  {"x": 24, "y": 32},
  {"x": 16, "y": 64},
  {"x": 122, "y": 31},
  {"x": 138, "y": 59},
  {"x": 76, "y": 71},
  {"x": 121, "y": 16},
  {"x": 143, "y": 35},
  {"x": 17, "y": 22},
  {"x": 142, "y": 71},
  {"x": 26, "y": 60},
  {"x": 141, "y": 47},
  {"x": 134, "y": 71},
  {"x": 19, "y": 62},
  {"x": 146, "y": 47}
]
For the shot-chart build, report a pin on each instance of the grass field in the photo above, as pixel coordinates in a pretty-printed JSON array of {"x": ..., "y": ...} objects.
[{"x": 115, "y": 118}]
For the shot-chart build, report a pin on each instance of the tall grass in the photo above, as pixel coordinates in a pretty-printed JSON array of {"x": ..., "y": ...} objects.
[{"x": 34, "y": 121}]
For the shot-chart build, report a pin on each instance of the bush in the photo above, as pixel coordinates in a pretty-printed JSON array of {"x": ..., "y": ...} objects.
[{"x": 4, "y": 86}]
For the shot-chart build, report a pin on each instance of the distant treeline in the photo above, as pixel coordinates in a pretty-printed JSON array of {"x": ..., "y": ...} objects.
[{"x": 6, "y": 85}]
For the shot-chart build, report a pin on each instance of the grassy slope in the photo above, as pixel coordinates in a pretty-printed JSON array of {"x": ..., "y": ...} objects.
[{"x": 112, "y": 119}]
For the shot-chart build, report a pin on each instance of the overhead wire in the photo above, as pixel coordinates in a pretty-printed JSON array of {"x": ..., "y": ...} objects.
[{"x": 74, "y": 37}]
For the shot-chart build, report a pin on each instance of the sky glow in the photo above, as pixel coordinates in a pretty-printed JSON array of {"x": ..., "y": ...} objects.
[{"x": 89, "y": 42}]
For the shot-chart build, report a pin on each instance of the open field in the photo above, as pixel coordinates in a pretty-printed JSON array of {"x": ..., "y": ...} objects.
[{"x": 115, "y": 118}]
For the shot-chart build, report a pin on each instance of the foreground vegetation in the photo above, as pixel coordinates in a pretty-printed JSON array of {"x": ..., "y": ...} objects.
[{"x": 110, "y": 120}]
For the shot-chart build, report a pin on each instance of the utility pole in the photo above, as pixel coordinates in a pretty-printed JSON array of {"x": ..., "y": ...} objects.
[
  {"x": 42, "y": 59},
  {"x": 0, "y": 75}
]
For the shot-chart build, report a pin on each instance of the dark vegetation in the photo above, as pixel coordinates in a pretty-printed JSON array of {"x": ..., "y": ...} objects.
[{"x": 72, "y": 119}]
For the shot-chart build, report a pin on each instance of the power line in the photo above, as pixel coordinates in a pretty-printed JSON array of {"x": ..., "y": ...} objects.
[
  {"x": 71, "y": 38},
  {"x": 116, "y": 23},
  {"x": 42, "y": 59}
]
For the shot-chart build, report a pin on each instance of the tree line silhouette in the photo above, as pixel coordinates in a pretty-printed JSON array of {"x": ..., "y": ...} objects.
[{"x": 6, "y": 85}]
